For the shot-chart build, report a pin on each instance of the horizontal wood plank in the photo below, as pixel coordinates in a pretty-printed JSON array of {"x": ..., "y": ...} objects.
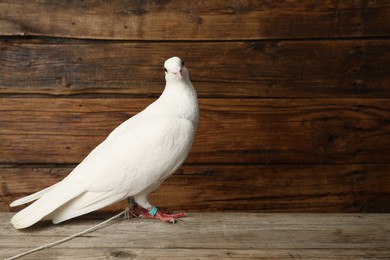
[
  {"x": 255, "y": 188},
  {"x": 211, "y": 236},
  {"x": 170, "y": 253},
  {"x": 62, "y": 130},
  {"x": 357, "y": 68},
  {"x": 181, "y": 20}
]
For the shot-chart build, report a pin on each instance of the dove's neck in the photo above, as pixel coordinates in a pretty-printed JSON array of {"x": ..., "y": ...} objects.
[{"x": 180, "y": 99}]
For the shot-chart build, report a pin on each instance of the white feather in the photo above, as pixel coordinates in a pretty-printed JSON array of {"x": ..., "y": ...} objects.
[
  {"x": 31, "y": 197},
  {"x": 133, "y": 160}
]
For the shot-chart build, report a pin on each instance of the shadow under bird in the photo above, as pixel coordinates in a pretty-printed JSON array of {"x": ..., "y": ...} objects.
[{"x": 130, "y": 163}]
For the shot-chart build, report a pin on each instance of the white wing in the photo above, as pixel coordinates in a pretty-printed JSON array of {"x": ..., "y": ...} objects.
[{"x": 140, "y": 156}]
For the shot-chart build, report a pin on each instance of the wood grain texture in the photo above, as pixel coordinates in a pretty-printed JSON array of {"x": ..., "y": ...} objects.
[
  {"x": 200, "y": 20},
  {"x": 254, "y": 188},
  {"x": 170, "y": 253},
  {"x": 343, "y": 68},
  {"x": 63, "y": 130},
  {"x": 294, "y": 99},
  {"x": 211, "y": 236}
]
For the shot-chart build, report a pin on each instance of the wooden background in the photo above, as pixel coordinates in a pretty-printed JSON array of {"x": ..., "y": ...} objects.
[{"x": 294, "y": 97}]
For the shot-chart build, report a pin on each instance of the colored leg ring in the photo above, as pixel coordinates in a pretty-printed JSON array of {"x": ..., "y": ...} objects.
[{"x": 153, "y": 211}]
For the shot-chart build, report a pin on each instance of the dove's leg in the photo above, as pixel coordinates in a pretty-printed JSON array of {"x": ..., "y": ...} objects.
[
  {"x": 135, "y": 210},
  {"x": 149, "y": 211}
]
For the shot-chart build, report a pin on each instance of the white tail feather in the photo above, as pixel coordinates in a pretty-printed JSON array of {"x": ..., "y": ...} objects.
[
  {"x": 40, "y": 208},
  {"x": 31, "y": 197}
]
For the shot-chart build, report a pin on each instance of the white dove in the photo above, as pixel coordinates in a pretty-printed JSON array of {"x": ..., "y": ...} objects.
[{"x": 130, "y": 163}]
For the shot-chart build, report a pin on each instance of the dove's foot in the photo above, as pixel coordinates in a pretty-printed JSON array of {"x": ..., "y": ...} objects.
[
  {"x": 169, "y": 217},
  {"x": 140, "y": 212}
]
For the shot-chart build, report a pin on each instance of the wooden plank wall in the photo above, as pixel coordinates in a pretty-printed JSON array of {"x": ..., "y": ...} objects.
[{"x": 294, "y": 97}]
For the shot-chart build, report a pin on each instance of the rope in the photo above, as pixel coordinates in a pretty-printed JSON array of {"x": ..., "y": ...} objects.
[{"x": 93, "y": 228}]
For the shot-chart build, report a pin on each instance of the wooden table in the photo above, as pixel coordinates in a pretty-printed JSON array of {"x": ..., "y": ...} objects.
[{"x": 209, "y": 236}]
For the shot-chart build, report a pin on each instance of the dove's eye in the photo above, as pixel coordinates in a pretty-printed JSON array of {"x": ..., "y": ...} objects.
[
  {"x": 165, "y": 70},
  {"x": 182, "y": 63}
]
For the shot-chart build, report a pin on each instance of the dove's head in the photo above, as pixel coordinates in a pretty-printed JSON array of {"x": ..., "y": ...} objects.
[{"x": 175, "y": 70}]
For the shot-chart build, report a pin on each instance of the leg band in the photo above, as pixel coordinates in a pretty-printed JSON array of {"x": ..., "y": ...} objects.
[{"x": 153, "y": 211}]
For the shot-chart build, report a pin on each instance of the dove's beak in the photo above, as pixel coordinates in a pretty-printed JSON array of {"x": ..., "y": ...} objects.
[{"x": 179, "y": 74}]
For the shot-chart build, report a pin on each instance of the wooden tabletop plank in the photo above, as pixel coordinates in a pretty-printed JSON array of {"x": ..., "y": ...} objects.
[
  {"x": 232, "y": 235},
  {"x": 139, "y": 253},
  {"x": 325, "y": 68},
  {"x": 209, "y": 20}
]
